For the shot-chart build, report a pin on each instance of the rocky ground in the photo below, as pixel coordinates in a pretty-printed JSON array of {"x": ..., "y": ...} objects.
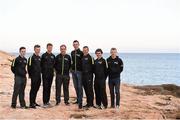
[{"x": 137, "y": 102}]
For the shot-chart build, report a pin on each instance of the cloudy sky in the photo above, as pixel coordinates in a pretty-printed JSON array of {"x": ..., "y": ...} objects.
[{"x": 129, "y": 25}]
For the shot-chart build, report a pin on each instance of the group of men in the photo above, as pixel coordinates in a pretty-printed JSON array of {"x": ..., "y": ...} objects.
[{"x": 87, "y": 74}]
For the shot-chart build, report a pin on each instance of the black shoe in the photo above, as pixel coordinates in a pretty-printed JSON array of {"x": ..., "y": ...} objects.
[
  {"x": 76, "y": 102},
  {"x": 57, "y": 103},
  {"x": 86, "y": 106},
  {"x": 67, "y": 103},
  {"x": 13, "y": 106},
  {"x": 24, "y": 107},
  {"x": 105, "y": 107},
  {"x": 90, "y": 106},
  {"x": 37, "y": 104},
  {"x": 80, "y": 106},
  {"x": 32, "y": 106},
  {"x": 94, "y": 106}
]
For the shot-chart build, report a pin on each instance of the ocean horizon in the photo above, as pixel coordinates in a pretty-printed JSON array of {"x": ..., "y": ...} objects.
[{"x": 146, "y": 68}]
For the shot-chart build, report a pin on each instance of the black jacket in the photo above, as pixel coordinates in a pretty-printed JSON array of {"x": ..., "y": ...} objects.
[
  {"x": 47, "y": 63},
  {"x": 18, "y": 66},
  {"x": 76, "y": 56},
  {"x": 100, "y": 69},
  {"x": 34, "y": 65},
  {"x": 115, "y": 67},
  {"x": 62, "y": 64},
  {"x": 87, "y": 64}
]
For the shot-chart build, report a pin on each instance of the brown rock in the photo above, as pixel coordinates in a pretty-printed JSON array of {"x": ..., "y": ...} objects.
[{"x": 137, "y": 102}]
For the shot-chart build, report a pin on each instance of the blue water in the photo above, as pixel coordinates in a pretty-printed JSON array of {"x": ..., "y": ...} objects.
[{"x": 149, "y": 68}]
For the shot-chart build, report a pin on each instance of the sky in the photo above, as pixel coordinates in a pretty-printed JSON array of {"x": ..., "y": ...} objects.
[{"x": 128, "y": 25}]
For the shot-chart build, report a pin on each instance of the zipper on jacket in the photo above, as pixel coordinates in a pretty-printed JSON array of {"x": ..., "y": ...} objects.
[
  {"x": 62, "y": 66},
  {"x": 75, "y": 61}
]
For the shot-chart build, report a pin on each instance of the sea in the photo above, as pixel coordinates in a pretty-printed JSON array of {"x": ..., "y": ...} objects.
[{"x": 147, "y": 68}]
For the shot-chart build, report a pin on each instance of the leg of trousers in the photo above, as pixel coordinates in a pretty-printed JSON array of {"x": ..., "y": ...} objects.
[
  {"x": 47, "y": 82},
  {"x": 88, "y": 87},
  {"x": 58, "y": 84},
  {"x": 19, "y": 87},
  {"x": 97, "y": 93},
  {"x": 114, "y": 86},
  {"x": 77, "y": 80},
  {"x": 66, "y": 88},
  {"x": 117, "y": 92},
  {"x": 111, "y": 88},
  {"x": 35, "y": 84},
  {"x": 103, "y": 94}
]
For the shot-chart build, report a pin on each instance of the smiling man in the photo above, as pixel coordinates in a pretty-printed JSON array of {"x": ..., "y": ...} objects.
[
  {"x": 77, "y": 55},
  {"x": 62, "y": 67}
]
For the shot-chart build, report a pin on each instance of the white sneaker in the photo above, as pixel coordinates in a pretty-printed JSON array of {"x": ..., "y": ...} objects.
[
  {"x": 45, "y": 106},
  {"x": 117, "y": 106},
  {"x": 98, "y": 107}
]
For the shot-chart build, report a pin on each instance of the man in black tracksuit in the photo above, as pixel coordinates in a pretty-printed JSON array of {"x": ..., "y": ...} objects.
[
  {"x": 34, "y": 70},
  {"x": 62, "y": 66},
  {"x": 47, "y": 68},
  {"x": 87, "y": 76},
  {"x": 76, "y": 56},
  {"x": 100, "y": 71},
  {"x": 18, "y": 67},
  {"x": 115, "y": 67}
]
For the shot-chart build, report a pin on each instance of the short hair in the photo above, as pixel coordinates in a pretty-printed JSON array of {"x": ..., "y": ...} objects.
[
  {"x": 21, "y": 48},
  {"x": 76, "y": 41},
  {"x": 37, "y": 46},
  {"x": 49, "y": 44},
  {"x": 86, "y": 47},
  {"x": 99, "y": 50},
  {"x": 113, "y": 49},
  {"x": 63, "y": 45}
]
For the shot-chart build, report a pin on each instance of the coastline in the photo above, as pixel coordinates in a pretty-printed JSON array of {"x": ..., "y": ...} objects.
[{"x": 137, "y": 102}]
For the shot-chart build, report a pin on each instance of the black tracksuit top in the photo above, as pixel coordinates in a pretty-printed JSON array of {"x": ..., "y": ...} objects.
[
  {"x": 87, "y": 64},
  {"x": 76, "y": 56},
  {"x": 47, "y": 63},
  {"x": 34, "y": 65},
  {"x": 100, "y": 69},
  {"x": 62, "y": 64},
  {"x": 18, "y": 66},
  {"x": 115, "y": 67}
]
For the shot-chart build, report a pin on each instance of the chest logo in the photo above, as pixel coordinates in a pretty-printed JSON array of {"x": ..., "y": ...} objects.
[
  {"x": 52, "y": 57},
  {"x": 66, "y": 59},
  {"x": 78, "y": 55},
  {"x": 100, "y": 62}
]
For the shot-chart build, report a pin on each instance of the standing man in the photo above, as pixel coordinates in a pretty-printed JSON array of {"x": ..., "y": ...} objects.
[
  {"x": 34, "y": 70},
  {"x": 87, "y": 76},
  {"x": 47, "y": 67},
  {"x": 115, "y": 67},
  {"x": 18, "y": 67},
  {"x": 100, "y": 71},
  {"x": 77, "y": 55},
  {"x": 62, "y": 66}
]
